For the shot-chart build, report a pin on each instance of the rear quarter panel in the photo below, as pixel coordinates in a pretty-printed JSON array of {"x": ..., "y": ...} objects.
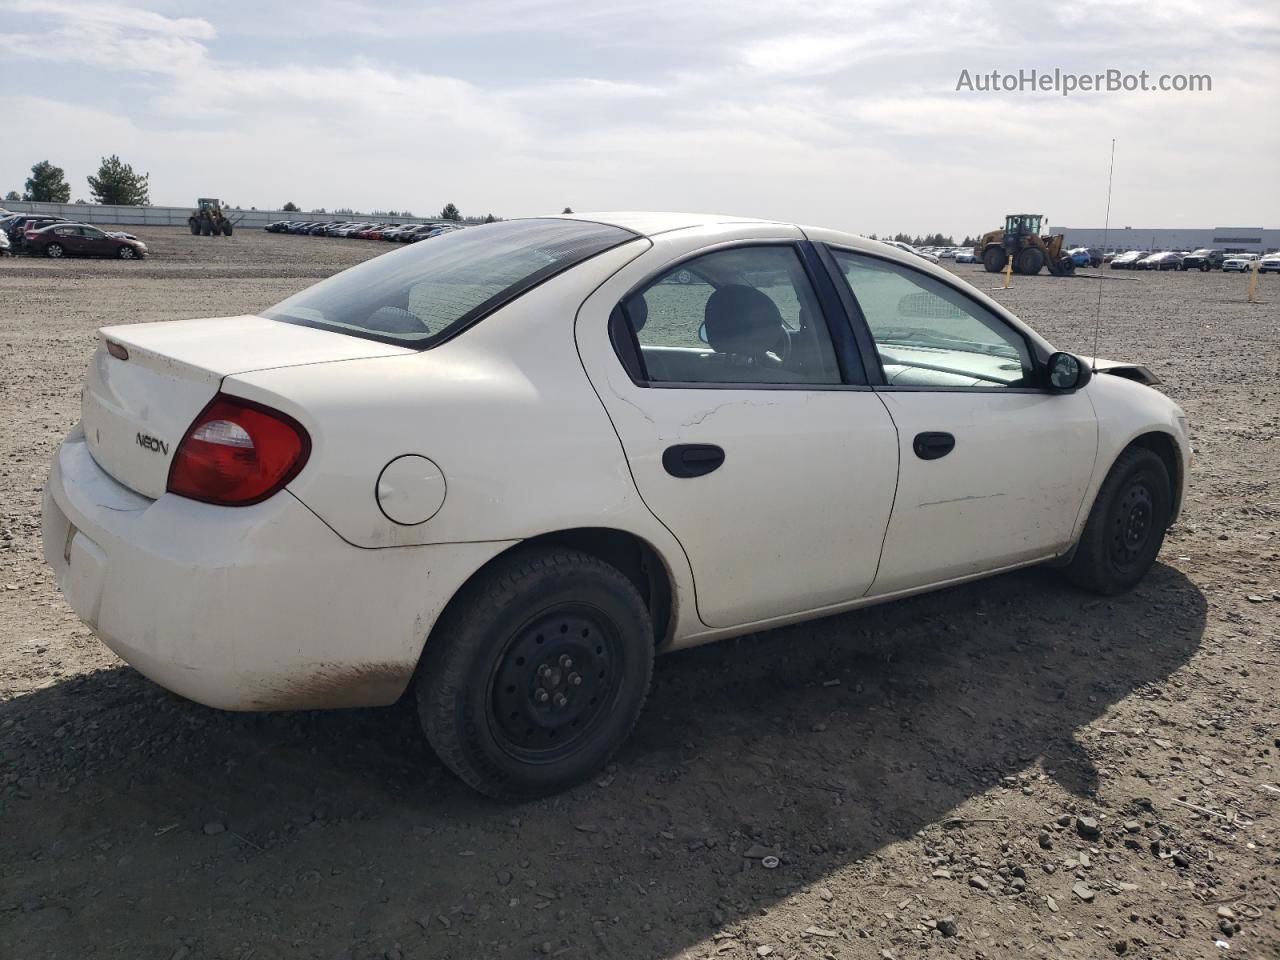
[{"x": 504, "y": 409}]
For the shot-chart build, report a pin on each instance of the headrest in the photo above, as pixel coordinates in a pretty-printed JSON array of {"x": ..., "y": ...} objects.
[
  {"x": 742, "y": 320},
  {"x": 638, "y": 312}
]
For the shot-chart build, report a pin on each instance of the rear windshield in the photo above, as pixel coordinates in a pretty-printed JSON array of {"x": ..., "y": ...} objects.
[{"x": 425, "y": 293}]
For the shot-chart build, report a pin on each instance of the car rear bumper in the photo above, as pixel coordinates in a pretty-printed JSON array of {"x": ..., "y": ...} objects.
[{"x": 243, "y": 608}]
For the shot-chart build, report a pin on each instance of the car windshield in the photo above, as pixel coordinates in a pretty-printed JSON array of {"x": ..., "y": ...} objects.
[{"x": 424, "y": 293}]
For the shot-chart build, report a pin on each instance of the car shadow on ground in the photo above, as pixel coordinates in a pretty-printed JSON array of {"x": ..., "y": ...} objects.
[{"x": 140, "y": 824}]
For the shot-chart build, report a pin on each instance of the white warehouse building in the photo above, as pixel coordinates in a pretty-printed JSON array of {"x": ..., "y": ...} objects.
[{"x": 1229, "y": 239}]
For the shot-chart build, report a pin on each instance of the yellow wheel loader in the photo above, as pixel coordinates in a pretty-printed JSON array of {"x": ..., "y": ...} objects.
[
  {"x": 1031, "y": 252},
  {"x": 208, "y": 219}
]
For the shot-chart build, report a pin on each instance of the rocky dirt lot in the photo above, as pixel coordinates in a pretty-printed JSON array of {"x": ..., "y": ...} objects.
[{"x": 1005, "y": 770}]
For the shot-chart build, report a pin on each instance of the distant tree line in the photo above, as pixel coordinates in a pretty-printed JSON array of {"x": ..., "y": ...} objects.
[
  {"x": 116, "y": 182},
  {"x": 928, "y": 240}
]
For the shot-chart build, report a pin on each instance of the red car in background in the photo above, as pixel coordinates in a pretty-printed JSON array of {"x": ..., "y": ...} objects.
[{"x": 83, "y": 240}]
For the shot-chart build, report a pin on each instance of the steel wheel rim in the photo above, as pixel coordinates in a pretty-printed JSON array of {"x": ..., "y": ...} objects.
[
  {"x": 126, "y": 253},
  {"x": 55, "y": 251},
  {"x": 557, "y": 676},
  {"x": 1132, "y": 525}
]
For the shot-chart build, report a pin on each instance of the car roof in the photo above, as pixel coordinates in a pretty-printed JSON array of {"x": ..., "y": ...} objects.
[{"x": 649, "y": 223}]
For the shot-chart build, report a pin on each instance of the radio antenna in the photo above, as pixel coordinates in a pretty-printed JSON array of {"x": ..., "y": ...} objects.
[{"x": 1106, "y": 227}]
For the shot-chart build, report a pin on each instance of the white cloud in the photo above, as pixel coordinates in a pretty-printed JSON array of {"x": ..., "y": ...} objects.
[{"x": 841, "y": 113}]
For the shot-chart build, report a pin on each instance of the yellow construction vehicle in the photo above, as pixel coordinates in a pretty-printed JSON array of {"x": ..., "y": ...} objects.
[
  {"x": 209, "y": 220},
  {"x": 1021, "y": 239}
]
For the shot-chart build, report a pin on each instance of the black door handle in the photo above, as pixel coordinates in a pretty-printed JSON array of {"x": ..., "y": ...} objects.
[
  {"x": 933, "y": 444},
  {"x": 692, "y": 459}
]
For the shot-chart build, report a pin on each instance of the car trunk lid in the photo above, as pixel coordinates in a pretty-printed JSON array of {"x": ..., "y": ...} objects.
[{"x": 147, "y": 382}]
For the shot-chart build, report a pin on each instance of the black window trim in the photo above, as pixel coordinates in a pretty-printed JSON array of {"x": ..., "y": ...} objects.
[
  {"x": 849, "y": 359},
  {"x": 862, "y": 330}
]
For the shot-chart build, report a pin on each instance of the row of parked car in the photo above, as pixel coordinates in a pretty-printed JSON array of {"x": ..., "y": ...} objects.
[
  {"x": 359, "y": 230},
  {"x": 55, "y": 237},
  {"x": 1203, "y": 259}
]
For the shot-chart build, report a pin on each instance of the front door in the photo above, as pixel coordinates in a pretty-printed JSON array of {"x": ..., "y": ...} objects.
[
  {"x": 993, "y": 469},
  {"x": 743, "y": 433}
]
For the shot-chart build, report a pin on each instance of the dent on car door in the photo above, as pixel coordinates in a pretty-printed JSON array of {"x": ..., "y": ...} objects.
[
  {"x": 743, "y": 435},
  {"x": 993, "y": 468}
]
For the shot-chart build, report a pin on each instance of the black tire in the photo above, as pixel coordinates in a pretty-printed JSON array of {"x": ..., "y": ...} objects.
[
  {"x": 521, "y": 631},
  {"x": 1030, "y": 261},
  {"x": 1205, "y": 267},
  {"x": 994, "y": 259},
  {"x": 54, "y": 250},
  {"x": 195, "y": 227},
  {"x": 227, "y": 228},
  {"x": 1126, "y": 526}
]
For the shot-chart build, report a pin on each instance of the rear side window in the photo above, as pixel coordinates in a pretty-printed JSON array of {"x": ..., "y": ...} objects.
[{"x": 427, "y": 292}]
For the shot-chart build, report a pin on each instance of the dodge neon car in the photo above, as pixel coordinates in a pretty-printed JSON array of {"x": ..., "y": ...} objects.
[{"x": 511, "y": 465}]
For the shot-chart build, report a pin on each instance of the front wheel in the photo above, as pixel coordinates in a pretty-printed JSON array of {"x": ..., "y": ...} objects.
[
  {"x": 1126, "y": 527},
  {"x": 127, "y": 253},
  {"x": 536, "y": 673},
  {"x": 994, "y": 259}
]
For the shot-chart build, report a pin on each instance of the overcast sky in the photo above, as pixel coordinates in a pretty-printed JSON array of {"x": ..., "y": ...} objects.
[{"x": 841, "y": 113}]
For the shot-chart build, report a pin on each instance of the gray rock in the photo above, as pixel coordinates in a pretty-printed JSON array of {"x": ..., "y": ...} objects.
[
  {"x": 1083, "y": 892},
  {"x": 978, "y": 883},
  {"x": 213, "y": 828},
  {"x": 947, "y": 926},
  {"x": 1088, "y": 828}
]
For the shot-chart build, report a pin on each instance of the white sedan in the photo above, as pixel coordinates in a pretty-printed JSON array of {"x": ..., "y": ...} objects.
[{"x": 516, "y": 462}]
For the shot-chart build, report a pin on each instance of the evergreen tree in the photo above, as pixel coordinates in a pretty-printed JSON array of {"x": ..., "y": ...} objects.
[
  {"x": 118, "y": 183},
  {"x": 47, "y": 184}
]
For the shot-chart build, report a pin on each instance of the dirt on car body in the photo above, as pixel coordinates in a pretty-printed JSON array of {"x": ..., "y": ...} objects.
[{"x": 1007, "y": 769}]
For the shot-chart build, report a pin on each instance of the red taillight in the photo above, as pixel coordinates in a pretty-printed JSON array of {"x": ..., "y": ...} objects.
[{"x": 238, "y": 452}]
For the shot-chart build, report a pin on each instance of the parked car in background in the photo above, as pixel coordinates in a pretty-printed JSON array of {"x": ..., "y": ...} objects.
[
  {"x": 18, "y": 225},
  {"x": 1204, "y": 259},
  {"x": 965, "y": 255},
  {"x": 1239, "y": 262},
  {"x": 194, "y": 525},
  {"x": 1086, "y": 256},
  {"x": 82, "y": 240},
  {"x": 1270, "y": 263},
  {"x": 6, "y": 246},
  {"x": 908, "y": 248},
  {"x": 1127, "y": 261},
  {"x": 1165, "y": 260}
]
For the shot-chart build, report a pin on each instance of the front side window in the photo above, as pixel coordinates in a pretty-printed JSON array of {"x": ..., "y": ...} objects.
[
  {"x": 930, "y": 335},
  {"x": 741, "y": 315},
  {"x": 422, "y": 294}
]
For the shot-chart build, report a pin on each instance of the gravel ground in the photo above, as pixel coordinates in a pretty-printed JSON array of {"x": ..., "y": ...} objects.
[{"x": 1008, "y": 769}]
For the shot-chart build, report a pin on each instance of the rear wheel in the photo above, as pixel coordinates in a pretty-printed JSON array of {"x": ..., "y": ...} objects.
[
  {"x": 1204, "y": 267},
  {"x": 536, "y": 673},
  {"x": 1030, "y": 261},
  {"x": 1126, "y": 527},
  {"x": 994, "y": 259},
  {"x": 54, "y": 250}
]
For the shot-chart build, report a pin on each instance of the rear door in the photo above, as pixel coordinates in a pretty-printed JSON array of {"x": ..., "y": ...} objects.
[
  {"x": 70, "y": 238},
  {"x": 993, "y": 468},
  {"x": 746, "y": 421}
]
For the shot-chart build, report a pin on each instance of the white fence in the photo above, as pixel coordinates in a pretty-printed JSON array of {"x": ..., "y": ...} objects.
[{"x": 177, "y": 216}]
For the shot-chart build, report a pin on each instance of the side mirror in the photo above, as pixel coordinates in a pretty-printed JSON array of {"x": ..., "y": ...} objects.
[{"x": 1067, "y": 372}]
